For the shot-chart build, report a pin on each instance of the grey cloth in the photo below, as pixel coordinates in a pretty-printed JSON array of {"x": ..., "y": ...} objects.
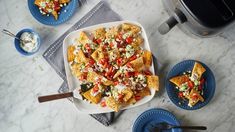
[{"x": 101, "y": 13}]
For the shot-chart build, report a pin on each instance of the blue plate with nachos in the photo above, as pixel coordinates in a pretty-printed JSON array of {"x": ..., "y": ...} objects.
[
  {"x": 65, "y": 12},
  {"x": 153, "y": 117},
  {"x": 191, "y": 94}
]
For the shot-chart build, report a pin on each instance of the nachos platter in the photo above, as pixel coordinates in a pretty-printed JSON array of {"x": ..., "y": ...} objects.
[{"x": 111, "y": 63}]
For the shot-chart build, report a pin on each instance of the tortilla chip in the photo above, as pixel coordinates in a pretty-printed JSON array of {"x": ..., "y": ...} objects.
[
  {"x": 100, "y": 33},
  {"x": 94, "y": 99},
  {"x": 153, "y": 82},
  {"x": 179, "y": 80},
  {"x": 93, "y": 76},
  {"x": 137, "y": 41},
  {"x": 70, "y": 51},
  {"x": 55, "y": 14},
  {"x": 107, "y": 82},
  {"x": 131, "y": 101},
  {"x": 127, "y": 94},
  {"x": 124, "y": 61},
  {"x": 37, "y": 2},
  {"x": 131, "y": 27},
  {"x": 198, "y": 69},
  {"x": 192, "y": 101},
  {"x": 143, "y": 93},
  {"x": 64, "y": 1},
  {"x": 112, "y": 103},
  {"x": 98, "y": 54},
  {"x": 113, "y": 54},
  {"x": 80, "y": 57},
  {"x": 76, "y": 69},
  {"x": 147, "y": 57},
  {"x": 83, "y": 38},
  {"x": 118, "y": 73},
  {"x": 112, "y": 32},
  {"x": 137, "y": 64}
]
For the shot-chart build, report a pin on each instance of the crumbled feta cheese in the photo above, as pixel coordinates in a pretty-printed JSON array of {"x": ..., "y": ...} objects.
[
  {"x": 114, "y": 92},
  {"x": 120, "y": 87},
  {"x": 75, "y": 52},
  {"x": 49, "y": 10},
  {"x": 124, "y": 36},
  {"x": 112, "y": 56},
  {"x": 129, "y": 51}
]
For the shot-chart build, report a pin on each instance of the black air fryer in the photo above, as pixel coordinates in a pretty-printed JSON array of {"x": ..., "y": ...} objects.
[{"x": 203, "y": 18}]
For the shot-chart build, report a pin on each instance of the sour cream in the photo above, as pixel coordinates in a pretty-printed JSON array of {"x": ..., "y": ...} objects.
[{"x": 30, "y": 42}]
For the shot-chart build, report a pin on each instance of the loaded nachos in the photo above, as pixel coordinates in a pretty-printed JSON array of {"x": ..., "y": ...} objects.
[
  {"x": 190, "y": 85},
  {"x": 112, "y": 67},
  {"x": 53, "y": 7}
]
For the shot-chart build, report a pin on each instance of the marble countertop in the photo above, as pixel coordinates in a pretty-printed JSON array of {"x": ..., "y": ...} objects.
[{"x": 22, "y": 79}]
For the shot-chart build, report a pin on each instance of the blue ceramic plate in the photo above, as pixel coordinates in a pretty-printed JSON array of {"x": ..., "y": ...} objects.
[
  {"x": 17, "y": 42},
  {"x": 155, "y": 116},
  {"x": 208, "y": 88},
  {"x": 65, "y": 13}
]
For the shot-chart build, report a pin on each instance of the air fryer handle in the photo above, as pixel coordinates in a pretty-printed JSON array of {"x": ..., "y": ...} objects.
[
  {"x": 167, "y": 25},
  {"x": 178, "y": 17}
]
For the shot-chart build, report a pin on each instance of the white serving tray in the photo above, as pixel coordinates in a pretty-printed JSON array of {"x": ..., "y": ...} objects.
[{"x": 82, "y": 105}]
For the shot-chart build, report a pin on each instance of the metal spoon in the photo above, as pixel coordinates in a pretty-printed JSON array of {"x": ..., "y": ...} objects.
[{"x": 13, "y": 35}]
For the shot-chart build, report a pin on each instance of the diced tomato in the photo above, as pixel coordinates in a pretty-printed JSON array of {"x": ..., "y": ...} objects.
[
  {"x": 180, "y": 95},
  {"x": 129, "y": 40},
  {"x": 147, "y": 72},
  {"x": 44, "y": 10},
  {"x": 200, "y": 87},
  {"x": 190, "y": 84},
  {"x": 129, "y": 74},
  {"x": 120, "y": 96},
  {"x": 119, "y": 45},
  {"x": 119, "y": 61},
  {"x": 133, "y": 57},
  {"x": 110, "y": 69},
  {"x": 102, "y": 61},
  {"x": 119, "y": 36},
  {"x": 116, "y": 83},
  {"x": 95, "y": 88},
  {"x": 88, "y": 48},
  {"x": 56, "y": 6},
  {"x": 124, "y": 83},
  {"x": 202, "y": 81},
  {"x": 137, "y": 97},
  {"x": 104, "y": 47},
  {"x": 94, "y": 40},
  {"x": 91, "y": 62},
  {"x": 129, "y": 65},
  {"x": 98, "y": 41},
  {"x": 195, "y": 97},
  {"x": 111, "y": 45},
  {"x": 103, "y": 104},
  {"x": 136, "y": 73},
  {"x": 83, "y": 77},
  {"x": 106, "y": 65},
  {"x": 110, "y": 72}
]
